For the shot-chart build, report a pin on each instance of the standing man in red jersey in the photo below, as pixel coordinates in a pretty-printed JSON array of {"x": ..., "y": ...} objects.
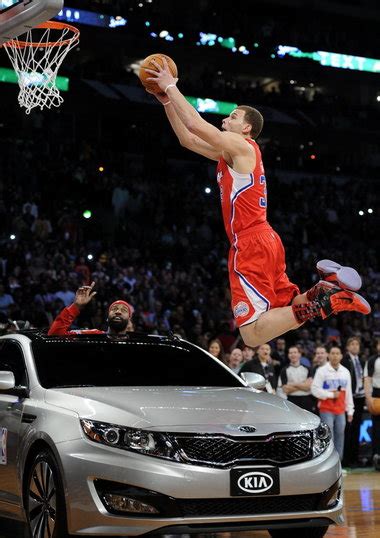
[
  {"x": 264, "y": 301},
  {"x": 119, "y": 316}
]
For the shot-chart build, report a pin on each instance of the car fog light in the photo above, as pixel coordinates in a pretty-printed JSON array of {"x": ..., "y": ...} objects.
[
  {"x": 120, "y": 503},
  {"x": 334, "y": 499}
]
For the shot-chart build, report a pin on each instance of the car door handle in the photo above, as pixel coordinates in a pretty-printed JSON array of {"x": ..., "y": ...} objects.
[{"x": 27, "y": 418}]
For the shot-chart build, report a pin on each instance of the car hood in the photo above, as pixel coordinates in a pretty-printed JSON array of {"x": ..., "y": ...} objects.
[{"x": 184, "y": 409}]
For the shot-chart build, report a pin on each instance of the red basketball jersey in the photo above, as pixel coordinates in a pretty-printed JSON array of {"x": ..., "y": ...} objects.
[{"x": 243, "y": 196}]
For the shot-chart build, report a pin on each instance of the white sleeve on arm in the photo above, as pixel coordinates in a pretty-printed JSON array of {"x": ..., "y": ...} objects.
[
  {"x": 350, "y": 407},
  {"x": 316, "y": 387}
]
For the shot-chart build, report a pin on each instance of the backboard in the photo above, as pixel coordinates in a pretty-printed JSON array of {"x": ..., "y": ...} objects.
[{"x": 19, "y": 16}]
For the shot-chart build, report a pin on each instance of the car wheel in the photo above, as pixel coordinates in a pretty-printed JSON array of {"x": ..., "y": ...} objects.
[
  {"x": 44, "y": 498},
  {"x": 310, "y": 532}
]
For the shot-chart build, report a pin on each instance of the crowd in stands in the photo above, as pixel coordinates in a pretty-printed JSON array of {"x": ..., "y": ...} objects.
[{"x": 160, "y": 243}]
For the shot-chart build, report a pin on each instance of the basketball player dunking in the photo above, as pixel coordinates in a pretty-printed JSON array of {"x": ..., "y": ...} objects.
[{"x": 264, "y": 301}]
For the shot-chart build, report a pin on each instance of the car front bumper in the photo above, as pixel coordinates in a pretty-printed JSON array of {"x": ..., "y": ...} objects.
[{"x": 87, "y": 464}]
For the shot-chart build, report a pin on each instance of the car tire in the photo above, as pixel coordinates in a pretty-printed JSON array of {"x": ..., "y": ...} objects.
[
  {"x": 310, "y": 532},
  {"x": 45, "y": 507}
]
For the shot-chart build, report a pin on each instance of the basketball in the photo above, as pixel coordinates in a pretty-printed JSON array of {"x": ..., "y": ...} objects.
[{"x": 147, "y": 63}]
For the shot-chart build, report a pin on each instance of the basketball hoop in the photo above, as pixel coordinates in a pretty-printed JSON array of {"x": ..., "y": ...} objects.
[{"x": 36, "y": 60}]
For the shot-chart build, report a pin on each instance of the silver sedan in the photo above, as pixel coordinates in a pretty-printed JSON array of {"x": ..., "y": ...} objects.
[{"x": 148, "y": 434}]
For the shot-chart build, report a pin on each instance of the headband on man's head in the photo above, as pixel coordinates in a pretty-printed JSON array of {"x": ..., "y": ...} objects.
[{"x": 130, "y": 307}]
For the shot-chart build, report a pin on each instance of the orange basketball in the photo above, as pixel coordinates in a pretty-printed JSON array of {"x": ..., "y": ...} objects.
[{"x": 143, "y": 75}]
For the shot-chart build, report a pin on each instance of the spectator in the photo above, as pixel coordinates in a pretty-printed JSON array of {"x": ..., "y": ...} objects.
[
  {"x": 303, "y": 358},
  {"x": 248, "y": 353},
  {"x": 320, "y": 358},
  {"x": 65, "y": 294},
  {"x": 5, "y": 300},
  {"x": 332, "y": 386},
  {"x": 355, "y": 365},
  {"x": 216, "y": 349},
  {"x": 226, "y": 336},
  {"x": 119, "y": 315},
  {"x": 295, "y": 381},
  {"x": 308, "y": 345},
  {"x": 279, "y": 352},
  {"x": 83, "y": 270},
  {"x": 235, "y": 360},
  {"x": 42, "y": 228},
  {"x": 372, "y": 390},
  {"x": 261, "y": 364}
]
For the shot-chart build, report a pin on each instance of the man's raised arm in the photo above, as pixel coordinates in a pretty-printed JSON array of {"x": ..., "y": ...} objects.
[
  {"x": 185, "y": 137},
  {"x": 220, "y": 141},
  {"x": 62, "y": 323}
]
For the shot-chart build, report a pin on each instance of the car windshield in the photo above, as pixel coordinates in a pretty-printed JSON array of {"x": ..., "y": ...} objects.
[{"x": 126, "y": 363}]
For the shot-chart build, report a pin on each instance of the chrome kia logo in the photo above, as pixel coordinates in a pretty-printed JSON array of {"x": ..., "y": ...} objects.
[
  {"x": 255, "y": 482},
  {"x": 247, "y": 429}
]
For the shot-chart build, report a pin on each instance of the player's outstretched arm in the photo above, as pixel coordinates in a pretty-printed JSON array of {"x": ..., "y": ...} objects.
[
  {"x": 185, "y": 137},
  {"x": 220, "y": 141}
]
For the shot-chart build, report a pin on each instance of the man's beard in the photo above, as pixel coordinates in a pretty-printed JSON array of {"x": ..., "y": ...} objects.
[{"x": 117, "y": 325}]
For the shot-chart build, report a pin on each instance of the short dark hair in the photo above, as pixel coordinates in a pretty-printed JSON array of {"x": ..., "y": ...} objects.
[
  {"x": 353, "y": 339},
  {"x": 254, "y": 118},
  {"x": 335, "y": 346}
]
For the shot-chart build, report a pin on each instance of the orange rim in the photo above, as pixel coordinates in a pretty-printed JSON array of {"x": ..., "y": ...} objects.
[{"x": 52, "y": 25}]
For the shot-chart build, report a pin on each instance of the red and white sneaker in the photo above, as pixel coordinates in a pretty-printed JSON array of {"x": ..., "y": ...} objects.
[
  {"x": 322, "y": 286},
  {"x": 333, "y": 300},
  {"x": 344, "y": 277}
]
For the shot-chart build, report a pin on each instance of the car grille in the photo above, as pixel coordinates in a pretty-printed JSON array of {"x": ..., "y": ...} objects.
[
  {"x": 248, "y": 506},
  {"x": 222, "y": 451}
]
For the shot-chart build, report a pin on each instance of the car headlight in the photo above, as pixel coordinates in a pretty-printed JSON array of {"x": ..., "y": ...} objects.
[
  {"x": 133, "y": 439},
  {"x": 321, "y": 439}
]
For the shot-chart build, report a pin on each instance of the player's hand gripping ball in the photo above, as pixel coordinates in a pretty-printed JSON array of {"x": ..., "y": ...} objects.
[{"x": 148, "y": 63}]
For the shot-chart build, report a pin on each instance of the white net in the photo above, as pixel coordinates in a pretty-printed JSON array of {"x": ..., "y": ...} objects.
[{"x": 36, "y": 59}]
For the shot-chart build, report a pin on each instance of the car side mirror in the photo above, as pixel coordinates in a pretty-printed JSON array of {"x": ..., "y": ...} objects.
[
  {"x": 7, "y": 380},
  {"x": 8, "y": 385},
  {"x": 255, "y": 381}
]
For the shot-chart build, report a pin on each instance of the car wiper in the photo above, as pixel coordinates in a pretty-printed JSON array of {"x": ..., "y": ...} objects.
[{"x": 71, "y": 386}]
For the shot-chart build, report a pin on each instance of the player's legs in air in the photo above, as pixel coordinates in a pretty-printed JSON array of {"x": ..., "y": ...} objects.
[{"x": 266, "y": 304}]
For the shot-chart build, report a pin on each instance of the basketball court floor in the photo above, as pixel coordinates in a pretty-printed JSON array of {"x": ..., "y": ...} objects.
[{"x": 361, "y": 512}]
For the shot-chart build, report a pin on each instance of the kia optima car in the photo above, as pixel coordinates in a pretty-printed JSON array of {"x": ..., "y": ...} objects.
[{"x": 150, "y": 434}]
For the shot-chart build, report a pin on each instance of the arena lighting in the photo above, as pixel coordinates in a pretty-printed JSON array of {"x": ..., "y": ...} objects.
[
  {"x": 90, "y": 257},
  {"x": 370, "y": 210},
  {"x": 378, "y": 98},
  {"x": 12, "y": 237},
  {"x": 90, "y": 18},
  {"x": 361, "y": 213},
  {"x": 207, "y": 190},
  {"x": 101, "y": 168},
  {"x": 333, "y": 59},
  {"x": 9, "y": 75},
  {"x": 87, "y": 214},
  {"x": 212, "y": 106}
]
